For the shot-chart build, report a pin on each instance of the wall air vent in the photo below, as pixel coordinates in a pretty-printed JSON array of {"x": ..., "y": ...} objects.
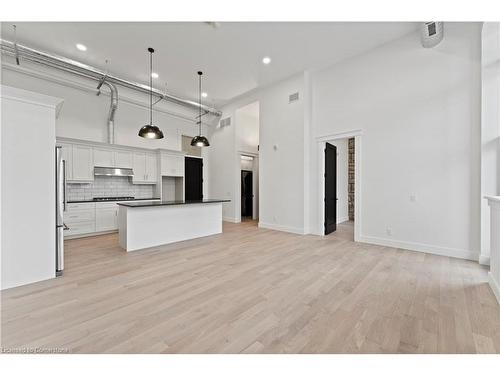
[
  {"x": 225, "y": 122},
  {"x": 293, "y": 97}
]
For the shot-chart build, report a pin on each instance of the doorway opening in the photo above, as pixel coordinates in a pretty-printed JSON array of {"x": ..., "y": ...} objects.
[
  {"x": 193, "y": 178},
  {"x": 248, "y": 187},
  {"x": 247, "y": 163},
  {"x": 340, "y": 179}
]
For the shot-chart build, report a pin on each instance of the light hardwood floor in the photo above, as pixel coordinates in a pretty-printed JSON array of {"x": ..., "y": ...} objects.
[{"x": 253, "y": 290}]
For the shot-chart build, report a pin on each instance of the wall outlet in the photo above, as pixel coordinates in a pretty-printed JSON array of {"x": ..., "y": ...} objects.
[
  {"x": 388, "y": 230},
  {"x": 413, "y": 197},
  {"x": 275, "y": 219}
]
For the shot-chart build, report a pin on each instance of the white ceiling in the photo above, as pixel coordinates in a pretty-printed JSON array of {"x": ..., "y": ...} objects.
[{"x": 229, "y": 55}]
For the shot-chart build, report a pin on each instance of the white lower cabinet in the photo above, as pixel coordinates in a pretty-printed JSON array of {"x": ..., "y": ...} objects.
[
  {"x": 79, "y": 219},
  {"x": 106, "y": 217},
  {"x": 79, "y": 228},
  {"x": 88, "y": 217}
]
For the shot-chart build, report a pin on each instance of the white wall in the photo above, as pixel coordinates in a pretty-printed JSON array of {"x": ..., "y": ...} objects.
[
  {"x": 247, "y": 128},
  {"x": 490, "y": 127},
  {"x": 281, "y": 169},
  {"x": 419, "y": 111},
  {"x": 28, "y": 245},
  {"x": 342, "y": 179}
]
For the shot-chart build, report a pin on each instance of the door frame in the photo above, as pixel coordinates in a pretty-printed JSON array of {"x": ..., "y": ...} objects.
[
  {"x": 321, "y": 142},
  {"x": 202, "y": 175},
  {"x": 237, "y": 203}
]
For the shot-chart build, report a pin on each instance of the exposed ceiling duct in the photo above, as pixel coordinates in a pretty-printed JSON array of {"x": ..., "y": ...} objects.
[
  {"x": 431, "y": 33},
  {"x": 22, "y": 52},
  {"x": 112, "y": 107}
]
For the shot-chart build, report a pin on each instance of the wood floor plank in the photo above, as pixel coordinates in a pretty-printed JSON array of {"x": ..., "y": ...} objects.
[{"x": 252, "y": 290}]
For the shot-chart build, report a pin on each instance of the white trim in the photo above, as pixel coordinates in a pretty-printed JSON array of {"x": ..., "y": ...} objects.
[
  {"x": 332, "y": 137},
  {"x": 281, "y": 228},
  {"x": 30, "y": 97},
  {"x": 230, "y": 219},
  {"x": 321, "y": 142},
  {"x": 484, "y": 260},
  {"x": 420, "y": 247},
  {"x": 494, "y": 286},
  {"x": 342, "y": 219}
]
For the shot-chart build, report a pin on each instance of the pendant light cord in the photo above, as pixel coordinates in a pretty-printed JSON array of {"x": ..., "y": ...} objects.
[
  {"x": 151, "y": 86},
  {"x": 199, "y": 96}
]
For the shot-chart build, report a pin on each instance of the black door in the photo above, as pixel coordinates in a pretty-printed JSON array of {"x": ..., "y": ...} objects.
[
  {"x": 193, "y": 179},
  {"x": 246, "y": 194},
  {"x": 330, "y": 188}
]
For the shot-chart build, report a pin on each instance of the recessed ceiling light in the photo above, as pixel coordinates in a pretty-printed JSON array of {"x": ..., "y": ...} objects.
[
  {"x": 204, "y": 94},
  {"x": 266, "y": 60},
  {"x": 154, "y": 75},
  {"x": 81, "y": 47}
]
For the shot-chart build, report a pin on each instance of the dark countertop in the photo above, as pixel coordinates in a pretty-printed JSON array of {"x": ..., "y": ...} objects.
[
  {"x": 170, "y": 203},
  {"x": 117, "y": 200}
]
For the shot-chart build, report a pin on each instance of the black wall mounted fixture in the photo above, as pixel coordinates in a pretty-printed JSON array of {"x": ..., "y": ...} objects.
[{"x": 150, "y": 131}]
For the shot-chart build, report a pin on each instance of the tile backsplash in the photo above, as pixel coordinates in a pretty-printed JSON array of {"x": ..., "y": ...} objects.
[{"x": 108, "y": 186}]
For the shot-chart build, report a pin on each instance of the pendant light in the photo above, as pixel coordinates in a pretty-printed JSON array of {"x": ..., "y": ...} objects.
[
  {"x": 199, "y": 140},
  {"x": 150, "y": 131}
]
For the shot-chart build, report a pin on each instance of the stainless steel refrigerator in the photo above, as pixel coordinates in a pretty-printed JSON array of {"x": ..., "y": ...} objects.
[{"x": 60, "y": 208}]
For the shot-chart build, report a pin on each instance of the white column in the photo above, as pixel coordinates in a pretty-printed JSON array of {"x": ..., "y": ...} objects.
[{"x": 494, "y": 274}]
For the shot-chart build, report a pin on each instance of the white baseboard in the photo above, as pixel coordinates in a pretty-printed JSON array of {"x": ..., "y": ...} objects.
[
  {"x": 230, "y": 219},
  {"x": 342, "y": 219},
  {"x": 484, "y": 260},
  {"x": 494, "y": 286},
  {"x": 281, "y": 228},
  {"x": 424, "y": 248}
]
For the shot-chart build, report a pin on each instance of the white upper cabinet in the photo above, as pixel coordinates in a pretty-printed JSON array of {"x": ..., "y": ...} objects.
[
  {"x": 67, "y": 156},
  {"x": 139, "y": 167},
  {"x": 123, "y": 159},
  {"x": 145, "y": 168},
  {"x": 172, "y": 165},
  {"x": 103, "y": 157},
  {"x": 81, "y": 158},
  {"x": 151, "y": 168},
  {"x": 83, "y": 163}
]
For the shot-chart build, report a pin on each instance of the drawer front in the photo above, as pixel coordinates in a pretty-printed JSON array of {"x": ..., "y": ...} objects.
[
  {"x": 80, "y": 228},
  {"x": 80, "y": 206},
  {"x": 79, "y": 216},
  {"x": 106, "y": 205}
]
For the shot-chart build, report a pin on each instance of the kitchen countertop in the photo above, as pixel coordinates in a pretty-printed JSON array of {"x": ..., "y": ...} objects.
[
  {"x": 117, "y": 200},
  {"x": 170, "y": 203}
]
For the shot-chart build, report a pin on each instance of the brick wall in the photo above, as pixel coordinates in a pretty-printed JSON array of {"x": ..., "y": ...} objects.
[{"x": 351, "y": 178}]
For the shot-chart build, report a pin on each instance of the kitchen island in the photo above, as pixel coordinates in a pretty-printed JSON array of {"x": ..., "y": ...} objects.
[{"x": 147, "y": 224}]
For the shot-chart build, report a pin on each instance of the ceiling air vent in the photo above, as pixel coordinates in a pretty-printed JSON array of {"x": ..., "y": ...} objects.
[
  {"x": 225, "y": 122},
  {"x": 293, "y": 97},
  {"x": 431, "y": 33}
]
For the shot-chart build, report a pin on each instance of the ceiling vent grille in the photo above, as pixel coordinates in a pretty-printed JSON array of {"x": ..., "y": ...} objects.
[
  {"x": 431, "y": 33},
  {"x": 225, "y": 122},
  {"x": 293, "y": 97}
]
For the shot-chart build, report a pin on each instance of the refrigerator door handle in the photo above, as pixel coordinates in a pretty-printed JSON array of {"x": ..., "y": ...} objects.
[{"x": 64, "y": 183}]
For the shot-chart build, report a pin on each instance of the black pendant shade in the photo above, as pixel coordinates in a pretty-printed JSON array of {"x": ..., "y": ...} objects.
[
  {"x": 150, "y": 131},
  {"x": 199, "y": 140}
]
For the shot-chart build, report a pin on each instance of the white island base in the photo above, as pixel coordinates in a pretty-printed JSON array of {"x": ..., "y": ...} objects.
[{"x": 158, "y": 223}]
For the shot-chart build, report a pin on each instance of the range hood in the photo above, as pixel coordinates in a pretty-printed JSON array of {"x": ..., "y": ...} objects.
[{"x": 120, "y": 172}]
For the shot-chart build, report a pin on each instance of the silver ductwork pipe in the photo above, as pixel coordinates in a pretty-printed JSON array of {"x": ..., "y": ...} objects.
[
  {"x": 83, "y": 70},
  {"x": 112, "y": 109}
]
